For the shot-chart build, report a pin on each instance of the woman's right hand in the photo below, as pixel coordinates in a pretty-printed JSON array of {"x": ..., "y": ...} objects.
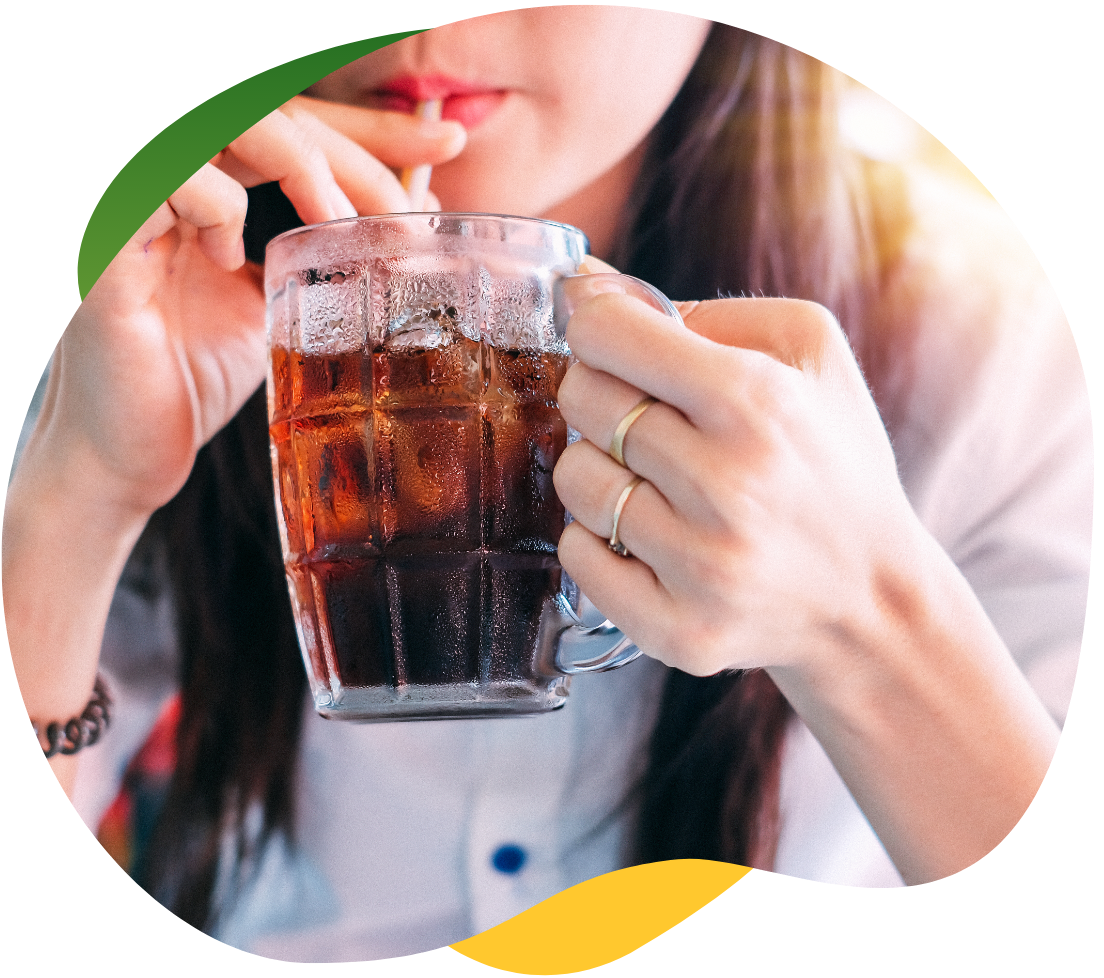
[
  {"x": 170, "y": 340},
  {"x": 167, "y": 346}
]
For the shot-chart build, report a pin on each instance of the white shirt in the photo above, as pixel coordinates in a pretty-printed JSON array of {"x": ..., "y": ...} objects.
[{"x": 399, "y": 824}]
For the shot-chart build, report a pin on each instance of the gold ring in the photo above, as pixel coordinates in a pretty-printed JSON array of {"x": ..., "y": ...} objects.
[
  {"x": 617, "y": 446},
  {"x": 615, "y": 543}
]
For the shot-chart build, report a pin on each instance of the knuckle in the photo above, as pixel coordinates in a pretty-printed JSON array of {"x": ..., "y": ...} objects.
[
  {"x": 727, "y": 400},
  {"x": 565, "y": 476},
  {"x": 570, "y": 548},
  {"x": 820, "y": 317},
  {"x": 667, "y": 640},
  {"x": 568, "y": 396},
  {"x": 267, "y": 128},
  {"x": 296, "y": 107},
  {"x": 719, "y": 564},
  {"x": 237, "y": 203},
  {"x": 313, "y": 159},
  {"x": 819, "y": 328}
]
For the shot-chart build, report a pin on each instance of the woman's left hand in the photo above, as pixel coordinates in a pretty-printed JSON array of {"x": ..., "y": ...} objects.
[
  {"x": 771, "y": 503},
  {"x": 772, "y": 531}
]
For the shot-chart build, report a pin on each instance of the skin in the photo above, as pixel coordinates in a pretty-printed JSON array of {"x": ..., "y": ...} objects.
[
  {"x": 772, "y": 529},
  {"x": 560, "y": 145}
]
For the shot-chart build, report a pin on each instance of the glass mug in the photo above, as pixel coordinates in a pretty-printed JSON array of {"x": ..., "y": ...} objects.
[{"x": 414, "y": 361}]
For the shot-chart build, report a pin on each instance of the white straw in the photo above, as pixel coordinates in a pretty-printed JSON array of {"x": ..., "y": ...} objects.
[{"x": 415, "y": 179}]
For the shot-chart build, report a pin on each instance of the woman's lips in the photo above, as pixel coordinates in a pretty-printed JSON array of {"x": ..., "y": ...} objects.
[{"x": 467, "y": 103}]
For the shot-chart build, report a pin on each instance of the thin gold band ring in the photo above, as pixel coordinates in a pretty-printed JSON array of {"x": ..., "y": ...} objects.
[
  {"x": 617, "y": 446},
  {"x": 615, "y": 543}
]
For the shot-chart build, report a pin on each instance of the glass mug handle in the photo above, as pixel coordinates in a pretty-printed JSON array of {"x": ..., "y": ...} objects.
[
  {"x": 605, "y": 644},
  {"x": 564, "y": 303}
]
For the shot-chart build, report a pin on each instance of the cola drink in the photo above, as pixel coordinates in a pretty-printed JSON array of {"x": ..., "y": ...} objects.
[
  {"x": 414, "y": 365},
  {"x": 418, "y": 516}
]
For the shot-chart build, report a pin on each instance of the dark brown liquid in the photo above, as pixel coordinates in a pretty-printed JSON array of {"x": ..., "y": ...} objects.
[{"x": 419, "y": 514}]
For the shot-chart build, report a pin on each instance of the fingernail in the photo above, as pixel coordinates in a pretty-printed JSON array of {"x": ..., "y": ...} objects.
[
  {"x": 579, "y": 288},
  {"x": 574, "y": 290},
  {"x": 342, "y": 206},
  {"x": 449, "y": 132},
  {"x": 591, "y": 265}
]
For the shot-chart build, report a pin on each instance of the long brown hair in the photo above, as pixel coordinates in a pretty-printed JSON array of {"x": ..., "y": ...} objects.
[{"x": 745, "y": 189}]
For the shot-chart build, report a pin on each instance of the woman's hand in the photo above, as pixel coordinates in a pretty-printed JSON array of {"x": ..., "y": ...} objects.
[
  {"x": 772, "y": 531},
  {"x": 168, "y": 345},
  {"x": 771, "y": 494},
  {"x": 170, "y": 341}
]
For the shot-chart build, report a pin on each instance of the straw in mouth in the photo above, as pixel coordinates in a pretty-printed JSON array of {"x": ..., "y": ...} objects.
[{"x": 415, "y": 179}]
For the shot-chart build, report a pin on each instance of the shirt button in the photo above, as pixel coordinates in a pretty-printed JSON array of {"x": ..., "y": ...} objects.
[{"x": 509, "y": 859}]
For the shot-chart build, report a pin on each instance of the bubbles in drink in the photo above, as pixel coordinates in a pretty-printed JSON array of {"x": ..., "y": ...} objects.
[
  {"x": 335, "y": 465},
  {"x": 523, "y": 437},
  {"x": 429, "y": 475},
  {"x": 420, "y": 520}
]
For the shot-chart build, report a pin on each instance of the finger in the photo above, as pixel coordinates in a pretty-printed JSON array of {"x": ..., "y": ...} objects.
[
  {"x": 661, "y": 444},
  {"x": 590, "y": 485},
  {"x": 216, "y": 205},
  {"x": 595, "y": 266},
  {"x": 668, "y": 534},
  {"x": 792, "y": 331},
  {"x": 156, "y": 226},
  {"x": 593, "y": 402},
  {"x": 370, "y": 185},
  {"x": 134, "y": 274},
  {"x": 625, "y": 590},
  {"x": 622, "y": 336},
  {"x": 798, "y": 334},
  {"x": 700, "y": 476},
  {"x": 394, "y": 138},
  {"x": 277, "y": 148}
]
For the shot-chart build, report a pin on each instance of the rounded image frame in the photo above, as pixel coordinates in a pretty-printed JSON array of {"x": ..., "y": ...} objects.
[{"x": 180, "y": 120}]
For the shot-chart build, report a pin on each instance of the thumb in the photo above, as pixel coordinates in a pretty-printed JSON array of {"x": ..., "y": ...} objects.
[{"x": 594, "y": 266}]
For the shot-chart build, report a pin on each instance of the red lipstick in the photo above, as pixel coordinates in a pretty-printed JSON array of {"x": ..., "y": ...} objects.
[{"x": 467, "y": 102}]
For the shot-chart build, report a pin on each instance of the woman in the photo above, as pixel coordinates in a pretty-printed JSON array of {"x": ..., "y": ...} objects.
[{"x": 776, "y": 531}]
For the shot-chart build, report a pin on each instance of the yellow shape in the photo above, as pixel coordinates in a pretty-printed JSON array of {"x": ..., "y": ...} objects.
[{"x": 602, "y": 919}]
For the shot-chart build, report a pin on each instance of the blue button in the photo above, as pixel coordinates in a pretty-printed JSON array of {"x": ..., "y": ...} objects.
[{"x": 509, "y": 859}]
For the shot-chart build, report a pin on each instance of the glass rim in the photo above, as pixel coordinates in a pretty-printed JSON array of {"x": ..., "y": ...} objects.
[{"x": 468, "y": 215}]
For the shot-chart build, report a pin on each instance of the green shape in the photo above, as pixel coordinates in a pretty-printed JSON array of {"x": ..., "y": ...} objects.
[{"x": 160, "y": 167}]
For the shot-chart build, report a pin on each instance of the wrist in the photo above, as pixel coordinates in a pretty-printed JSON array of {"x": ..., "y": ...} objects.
[
  {"x": 67, "y": 536},
  {"x": 924, "y": 712},
  {"x": 60, "y": 476}
]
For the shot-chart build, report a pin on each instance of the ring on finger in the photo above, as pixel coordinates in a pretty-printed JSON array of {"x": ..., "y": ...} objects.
[
  {"x": 615, "y": 543},
  {"x": 617, "y": 445}
]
